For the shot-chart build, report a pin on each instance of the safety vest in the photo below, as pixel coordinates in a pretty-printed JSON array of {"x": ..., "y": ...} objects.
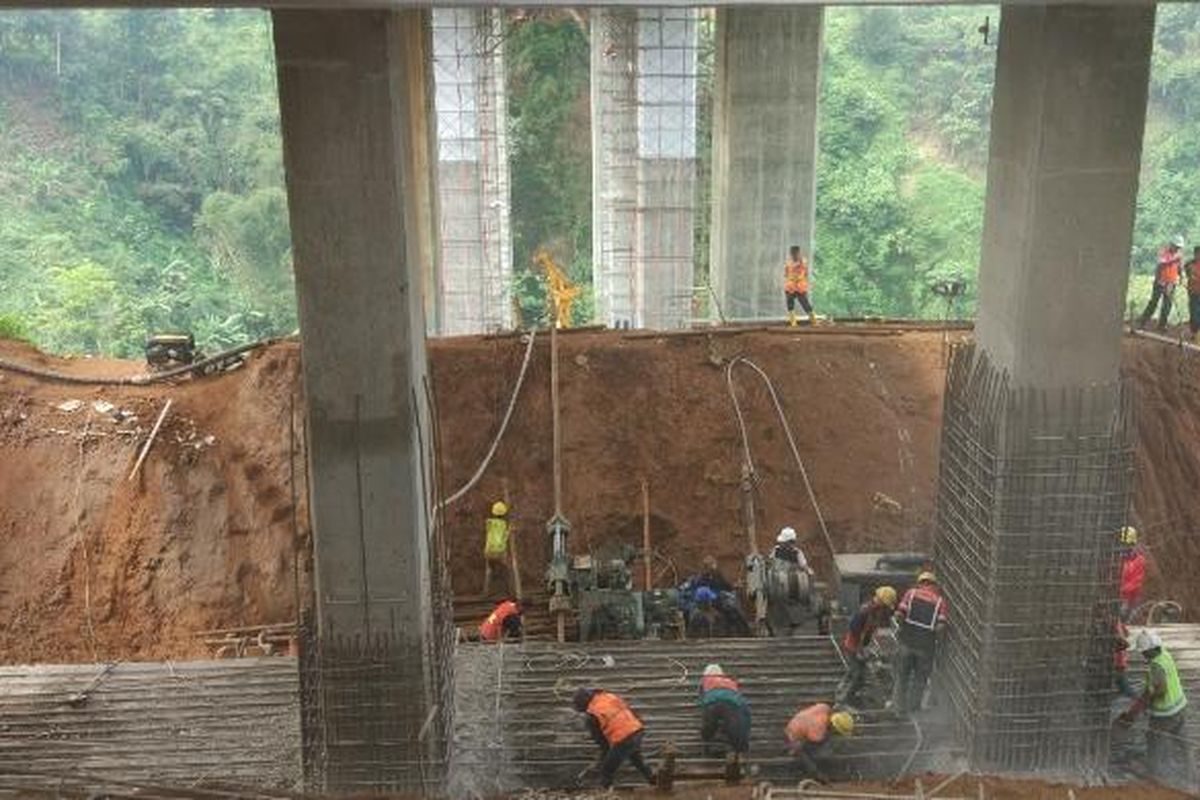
[
  {"x": 1168, "y": 268},
  {"x": 795, "y": 276},
  {"x": 810, "y": 724},
  {"x": 617, "y": 722},
  {"x": 710, "y": 682},
  {"x": 493, "y": 626},
  {"x": 495, "y": 544},
  {"x": 1173, "y": 700}
]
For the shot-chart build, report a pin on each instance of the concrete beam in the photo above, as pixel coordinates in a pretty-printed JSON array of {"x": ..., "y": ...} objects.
[
  {"x": 764, "y": 153},
  {"x": 1067, "y": 119}
]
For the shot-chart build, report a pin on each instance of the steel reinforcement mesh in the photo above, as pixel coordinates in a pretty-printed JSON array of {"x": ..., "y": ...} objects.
[{"x": 1033, "y": 489}]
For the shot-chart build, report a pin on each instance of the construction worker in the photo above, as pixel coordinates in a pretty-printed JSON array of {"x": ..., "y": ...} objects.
[
  {"x": 871, "y": 615},
  {"x": 1121, "y": 659},
  {"x": 1133, "y": 571},
  {"x": 710, "y": 576},
  {"x": 809, "y": 740},
  {"x": 1168, "y": 753},
  {"x": 503, "y": 623},
  {"x": 495, "y": 545},
  {"x": 1192, "y": 270},
  {"x": 787, "y": 550},
  {"x": 795, "y": 285},
  {"x": 615, "y": 729},
  {"x": 1166, "y": 278},
  {"x": 725, "y": 711},
  {"x": 921, "y": 616}
]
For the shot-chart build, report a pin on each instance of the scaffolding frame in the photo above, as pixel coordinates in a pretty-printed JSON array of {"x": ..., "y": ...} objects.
[{"x": 474, "y": 283}]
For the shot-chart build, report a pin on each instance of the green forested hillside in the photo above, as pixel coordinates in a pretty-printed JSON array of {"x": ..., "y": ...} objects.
[{"x": 141, "y": 182}]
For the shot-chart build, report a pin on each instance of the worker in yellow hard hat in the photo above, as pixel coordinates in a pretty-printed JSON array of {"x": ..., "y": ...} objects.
[
  {"x": 921, "y": 618},
  {"x": 810, "y": 735},
  {"x": 871, "y": 615},
  {"x": 1133, "y": 571},
  {"x": 495, "y": 546}
]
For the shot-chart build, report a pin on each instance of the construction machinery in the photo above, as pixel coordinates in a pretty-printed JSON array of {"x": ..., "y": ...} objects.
[
  {"x": 167, "y": 350},
  {"x": 608, "y": 606}
]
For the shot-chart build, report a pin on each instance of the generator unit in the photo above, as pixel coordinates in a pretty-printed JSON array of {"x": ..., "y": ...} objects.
[{"x": 860, "y": 574}]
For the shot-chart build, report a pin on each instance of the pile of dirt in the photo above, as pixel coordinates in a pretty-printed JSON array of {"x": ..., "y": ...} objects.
[{"x": 214, "y": 533}]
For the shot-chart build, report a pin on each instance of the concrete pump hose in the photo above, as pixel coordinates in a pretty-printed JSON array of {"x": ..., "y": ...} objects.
[
  {"x": 787, "y": 429},
  {"x": 512, "y": 403},
  {"x": 144, "y": 379}
]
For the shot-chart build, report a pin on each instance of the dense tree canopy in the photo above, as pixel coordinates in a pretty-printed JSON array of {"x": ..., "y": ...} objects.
[{"x": 141, "y": 183}]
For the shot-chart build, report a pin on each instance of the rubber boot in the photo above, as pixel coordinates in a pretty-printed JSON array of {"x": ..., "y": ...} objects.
[{"x": 792, "y": 320}]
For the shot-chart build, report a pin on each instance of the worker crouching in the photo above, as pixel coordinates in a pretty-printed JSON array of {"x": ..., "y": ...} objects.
[
  {"x": 810, "y": 736},
  {"x": 870, "y": 617},
  {"x": 615, "y": 729},
  {"x": 503, "y": 623},
  {"x": 1168, "y": 753},
  {"x": 725, "y": 712}
]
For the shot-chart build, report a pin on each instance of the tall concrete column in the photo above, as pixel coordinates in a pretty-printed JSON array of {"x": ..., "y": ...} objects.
[
  {"x": 1037, "y": 440},
  {"x": 764, "y": 153},
  {"x": 355, "y": 107}
]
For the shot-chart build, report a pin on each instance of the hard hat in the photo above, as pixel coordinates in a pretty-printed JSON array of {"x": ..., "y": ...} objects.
[
  {"x": 927, "y": 577},
  {"x": 1147, "y": 640},
  {"x": 886, "y": 595},
  {"x": 1178, "y": 242},
  {"x": 499, "y": 508},
  {"x": 582, "y": 697},
  {"x": 709, "y": 563},
  {"x": 705, "y": 595},
  {"x": 842, "y": 723},
  {"x": 1129, "y": 535},
  {"x": 713, "y": 669},
  {"x": 786, "y": 535}
]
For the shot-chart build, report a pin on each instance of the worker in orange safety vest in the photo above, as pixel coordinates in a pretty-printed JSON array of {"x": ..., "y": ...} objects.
[
  {"x": 809, "y": 740},
  {"x": 503, "y": 623},
  {"x": 615, "y": 729},
  {"x": 795, "y": 285},
  {"x": 1166, "y": 278}
]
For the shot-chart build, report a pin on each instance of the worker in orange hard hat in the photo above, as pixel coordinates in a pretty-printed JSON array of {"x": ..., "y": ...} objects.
[
  {"x": 503, "y": 623},
  {"x": 495, "y": 545},
  {"x": 871, "y": 615},
  {"x": 921, "y": 615},
  {"x": 795, "y": 285}
]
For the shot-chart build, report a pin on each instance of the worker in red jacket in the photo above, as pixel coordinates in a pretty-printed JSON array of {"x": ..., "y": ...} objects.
[
  {"x": 503, "y": 623},
  {"x": 616, "y": 729},
  {"x": 921, "y": 617},
  {"x": 871, "y": 615},
  {"x": 1133, "y": 572}
]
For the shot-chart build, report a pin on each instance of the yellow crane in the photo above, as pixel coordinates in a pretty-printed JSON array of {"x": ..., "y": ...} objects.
[{"x": 562, "y": 292}]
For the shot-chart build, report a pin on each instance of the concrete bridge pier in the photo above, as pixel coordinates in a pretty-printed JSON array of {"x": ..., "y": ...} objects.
[{"x": 354, "y": 91}]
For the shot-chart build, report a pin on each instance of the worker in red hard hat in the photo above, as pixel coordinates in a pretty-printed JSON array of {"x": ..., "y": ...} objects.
[
  {"x": 871, "y": 615},
  {"x": 615, "y": 729},
  {"x": 495, "y": 546},
  {"x": 503, "y": 623},
  {"x": 921, "y": 618},
  {"x": 1133, "y": 571}
]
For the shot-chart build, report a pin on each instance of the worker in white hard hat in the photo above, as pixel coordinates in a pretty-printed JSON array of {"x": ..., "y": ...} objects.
[
  {"x": 725, "y": 712},
  {"x": 921, "y": 618},
  {"x": 872, "y": 615},
  {"x": 1133, "y": 571},
  {"x": 787, "y": 550},
  {"x": 809, "y": 738},
  {"x": 1166, "y": 278},
  {"x": 1168, "y": 753},
  {"x": 495, "y": 546}
]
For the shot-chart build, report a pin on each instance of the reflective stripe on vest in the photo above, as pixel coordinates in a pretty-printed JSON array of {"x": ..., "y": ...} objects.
[
  {"x": 710, "y": 682},
  {"x": 924, "y": 607},
  {"x": 617, "y": 722},
  {"x": 810, "y": 724},
  {"x": 496, "y": 544},
  {"x": 1173, "y": 700}
]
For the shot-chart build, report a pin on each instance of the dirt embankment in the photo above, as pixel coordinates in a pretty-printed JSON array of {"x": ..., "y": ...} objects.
[{"x": 208, "y": 536}]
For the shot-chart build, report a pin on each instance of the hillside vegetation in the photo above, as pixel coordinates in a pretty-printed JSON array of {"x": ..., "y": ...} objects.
[{"x": 141, "y": 183}]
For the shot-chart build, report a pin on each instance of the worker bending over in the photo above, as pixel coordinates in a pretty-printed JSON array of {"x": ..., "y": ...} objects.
[
  {"x": 1166, "y": 278},
  {"x": 495, "y": 546},
  {"x": 921, "y": 616},
  {"x": 787, "y": 550},
  {"x": 795, "y": 285},
  {"x": 503, "y": 623},
  {"x": 725, "y": 712},
  {"x": 1168, "y": 753},
  {"x": 615, "y": 729},
  {"x": 809, "y": 737},
  {"x": 1133, "y": 572},
  {"x": 871, "y": 615}
]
